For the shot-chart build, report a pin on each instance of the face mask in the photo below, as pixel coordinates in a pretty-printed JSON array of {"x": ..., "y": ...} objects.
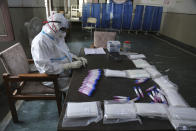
[{"x": 60, "y": 34}]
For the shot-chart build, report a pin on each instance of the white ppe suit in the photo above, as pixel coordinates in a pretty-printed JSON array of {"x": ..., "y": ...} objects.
[{"x": 50, "y": 52}]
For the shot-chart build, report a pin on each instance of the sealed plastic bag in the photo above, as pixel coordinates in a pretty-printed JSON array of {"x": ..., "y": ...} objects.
[
  {"x": 82, "y": 113},
  {"x": 175, "y": 99},
  {"x": 140, "y": 63},
  {"x": 136, "y": 56},
  {"x": 128, "y": 53},
  {"x": 183, "y": 118},
  {"x": 118, "y": 112},
  {"x": 137, "y": 74},
  {"x": 154, "y": 73},
  {"x": 151, "y": 110},
  {"x": 114, "y": 73},
  {"x": 165, "y": 83}
]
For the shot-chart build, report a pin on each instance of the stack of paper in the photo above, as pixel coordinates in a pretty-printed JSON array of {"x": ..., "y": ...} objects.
[{"x": 91, "y": 51}]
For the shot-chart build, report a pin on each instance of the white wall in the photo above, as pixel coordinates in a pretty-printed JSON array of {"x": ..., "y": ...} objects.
[{"x": 179, "y": 22}]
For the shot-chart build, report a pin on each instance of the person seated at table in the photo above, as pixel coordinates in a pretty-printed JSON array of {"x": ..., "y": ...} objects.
[{"x": 52, "y": 55}]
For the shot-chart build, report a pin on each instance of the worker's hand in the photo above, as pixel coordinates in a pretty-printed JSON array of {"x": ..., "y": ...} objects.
[
  {"x": 72, "y": 65},
  {"x": 83, "y": 60}
]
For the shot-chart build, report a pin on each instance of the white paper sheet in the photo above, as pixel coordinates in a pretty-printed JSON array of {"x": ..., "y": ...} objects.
[
  {"x": 114, "y": 73},
  {"x": 137, "y": 56},
  {"x": 140, "y": 63},
  {"x": 120, "y": 111},
  {"x": 83, "y": 109},
  {"x": 91, "y": 51},
  {"x": 137, "y": 74}
]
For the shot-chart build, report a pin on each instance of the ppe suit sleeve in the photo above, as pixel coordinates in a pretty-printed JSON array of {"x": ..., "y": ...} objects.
[{"x": 41, "y": 53}]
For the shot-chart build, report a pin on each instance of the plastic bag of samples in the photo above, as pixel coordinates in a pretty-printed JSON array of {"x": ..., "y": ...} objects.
[
  {"x": 119, "y": 112},
  {"x": 128, "y": 53},
  {"x": 165, "y": 83},
  {"x": 151, "y": 110},
  {"x": 82, "y": 113},
  {"x": 154, "y": 73},
  {"x": 136, "y": 56},
  {"x": 175, "y": 99},
  {"x": 140, "y": 63},
  {"x": 137, "y": 74},
  {"x": 114, "y": 73},
  {"x": 182, "y": 118}
]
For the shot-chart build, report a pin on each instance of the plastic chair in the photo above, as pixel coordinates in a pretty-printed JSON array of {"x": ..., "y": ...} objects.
[
  {"x": 23, "y": 85},
  {"x": 91, "y": 24}
]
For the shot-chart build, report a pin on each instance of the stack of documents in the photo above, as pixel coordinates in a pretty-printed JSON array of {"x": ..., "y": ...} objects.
[{"x": 91, "y": 51}]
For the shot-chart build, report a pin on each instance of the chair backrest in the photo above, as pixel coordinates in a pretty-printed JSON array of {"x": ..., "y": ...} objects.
[
  {"x": 14, "y": 60},
  {"x": 101, "y": 38},
  {"x": 34, "y": 26},
  {"x": 91, "y": 20}
]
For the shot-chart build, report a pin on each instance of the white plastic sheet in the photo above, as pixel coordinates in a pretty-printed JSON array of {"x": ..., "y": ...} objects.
[
  {"x": 118, "y": 112},
  {"x": 154, "y": 73},
  {"x": 151, "y": 110},
  {"x": 137, "y": 74},
  {"x": 182, "y": 118},
  {"x": 136, "y": 56},
  {"x": 140, "y": 63},
  {"x": 165, "y": 84},
  {"x": 82, "y": 114},
  {"x": 84, "y": 109},
  {"x": 114, "y": 73},
  {"x": 128, "y": 53},
  {"x": 174, "y": 98}
]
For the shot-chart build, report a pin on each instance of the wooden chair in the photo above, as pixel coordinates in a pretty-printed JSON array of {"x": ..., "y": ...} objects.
[
  {"x": 23, "y": 85},
  {"x": 101, "y": 38}
]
